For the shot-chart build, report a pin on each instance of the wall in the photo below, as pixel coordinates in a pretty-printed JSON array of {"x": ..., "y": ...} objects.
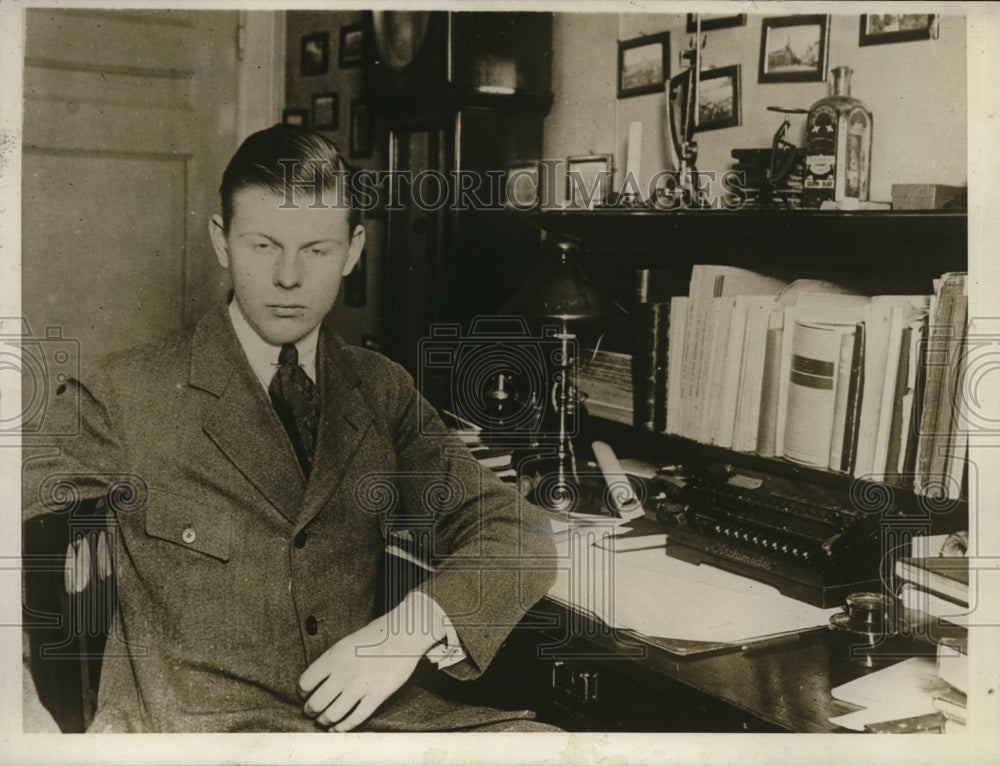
[
  {"x": 353, "y": 323},
  {"x": 916, "y": 91}
]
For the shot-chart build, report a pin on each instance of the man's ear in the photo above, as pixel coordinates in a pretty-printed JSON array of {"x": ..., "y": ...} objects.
[
  {"x": 355, "y": 249},
  {"x": 218, "y": 236}
]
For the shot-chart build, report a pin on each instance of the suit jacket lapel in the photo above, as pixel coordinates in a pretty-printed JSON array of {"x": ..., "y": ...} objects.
[
  {"x": 343, "y": 423},
  {"x": 243, "y": 423}
]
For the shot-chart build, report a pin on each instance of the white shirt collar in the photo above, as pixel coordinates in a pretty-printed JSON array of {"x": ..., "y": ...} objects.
[{"x": 263, "y": 356}]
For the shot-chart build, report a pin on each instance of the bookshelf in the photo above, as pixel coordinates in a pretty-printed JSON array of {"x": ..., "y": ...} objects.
[
  {"x": 901, "y": 250},
  {"x": 874, "y": 252}
]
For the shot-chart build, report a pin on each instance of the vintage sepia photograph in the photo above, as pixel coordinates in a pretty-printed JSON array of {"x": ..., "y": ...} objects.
[
  {"x": 793, "y": 49},
  {"x": 719, "y": 98},
  {"x": 550, "y": 406},
  {"x": 643, "y": 65}
]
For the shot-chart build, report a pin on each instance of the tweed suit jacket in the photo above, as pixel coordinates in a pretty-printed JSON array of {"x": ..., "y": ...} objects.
[{"x": 233, "y": 572}]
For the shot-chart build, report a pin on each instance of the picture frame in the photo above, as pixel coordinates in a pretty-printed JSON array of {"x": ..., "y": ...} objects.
[
  {"x": 794, "y": 48},
  {"x": 719, "y": 98},
  {"x": 710, "y": 21},
  {"x": 588, "y": 175},
  {"x": 643, "y": 65},
  {"x": 523, "y": 186},
  {"x": 315, "y": 54},
  {"x": 882, "y": 28},
  {"x": 361, "y": 128},
  {"x": 351, "y": 51},
  {"x": 325, "y": 111},
  {"x": 295, "y": 117}
]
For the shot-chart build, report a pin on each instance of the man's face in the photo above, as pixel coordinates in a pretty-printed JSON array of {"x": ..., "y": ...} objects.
[{"x": 286, "y": 263}]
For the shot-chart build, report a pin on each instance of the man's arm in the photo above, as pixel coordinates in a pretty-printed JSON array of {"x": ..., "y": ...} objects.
[{"x": 494, "y": 559}]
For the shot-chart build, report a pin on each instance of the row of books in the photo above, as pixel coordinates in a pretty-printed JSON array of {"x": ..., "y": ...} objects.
[
  {"x": 934, "y": 592},
  {"x": 807, "y": 371}
]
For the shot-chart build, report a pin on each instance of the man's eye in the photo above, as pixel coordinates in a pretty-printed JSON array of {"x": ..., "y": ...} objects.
[
  {"x": 318, "y": 251},
  {"x": 262, "y": 246}
]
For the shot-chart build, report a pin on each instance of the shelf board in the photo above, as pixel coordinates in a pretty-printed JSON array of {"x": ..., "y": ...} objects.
[
  {"x": 928, "y": 240},
  {"x": 662, "y": 448}
]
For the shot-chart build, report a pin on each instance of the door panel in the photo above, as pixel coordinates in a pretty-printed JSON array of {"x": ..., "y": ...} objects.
[{"x": 129, "y": 119}]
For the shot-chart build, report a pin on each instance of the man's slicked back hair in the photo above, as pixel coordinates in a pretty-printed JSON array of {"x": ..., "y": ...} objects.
[{"x": 289, "y": 155}]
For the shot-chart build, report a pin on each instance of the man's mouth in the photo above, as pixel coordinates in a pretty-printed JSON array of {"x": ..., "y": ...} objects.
[{"x": 285, "y": 309}]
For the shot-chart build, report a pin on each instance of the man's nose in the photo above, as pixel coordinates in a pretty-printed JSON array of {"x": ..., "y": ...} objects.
[{"x": 287, "y": 270}]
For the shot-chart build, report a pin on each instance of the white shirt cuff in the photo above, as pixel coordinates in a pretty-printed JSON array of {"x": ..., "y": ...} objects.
[{"x": 448, "y": 648}]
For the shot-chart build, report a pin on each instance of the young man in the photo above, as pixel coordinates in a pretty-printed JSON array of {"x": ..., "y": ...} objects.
[{"x": 251, "y": 467}]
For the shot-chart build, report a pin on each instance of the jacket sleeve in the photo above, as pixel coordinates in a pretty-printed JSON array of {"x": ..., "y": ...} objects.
[
  {"x": 492, "y": 550},
  {"x": 76, "y": 459}
]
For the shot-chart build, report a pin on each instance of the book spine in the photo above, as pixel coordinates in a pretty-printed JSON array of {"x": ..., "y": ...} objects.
[
  {"x": 909, "y": 462},
  {"x": 947, "y": 443},
  {"x": 854, "y": 393},
  {"x": 840, "y": 401},
  {"x": 941, "y": 332},
  {"x": 899, "y": 403},
  {"x": 675, "y": 354},
  {"x": 649, "y": 365},
  {"x": 768, "y": 423},
  {"x": 645, "y": 330},
  {"x": 811, "y": 394}
]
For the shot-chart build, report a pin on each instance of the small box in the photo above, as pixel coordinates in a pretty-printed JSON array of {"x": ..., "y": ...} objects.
[{"x": 927, "y": 196}]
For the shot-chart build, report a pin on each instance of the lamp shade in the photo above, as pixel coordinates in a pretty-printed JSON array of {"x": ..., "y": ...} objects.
[{"x": 560, "y": 288}]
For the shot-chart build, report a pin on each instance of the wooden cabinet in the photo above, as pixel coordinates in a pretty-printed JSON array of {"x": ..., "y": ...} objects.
[{"x": 468, "y": 106}]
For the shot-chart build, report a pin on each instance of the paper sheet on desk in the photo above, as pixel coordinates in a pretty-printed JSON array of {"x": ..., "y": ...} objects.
[
  {"x": 647, "y": 591},
  {"x": 903, "y": 690}
]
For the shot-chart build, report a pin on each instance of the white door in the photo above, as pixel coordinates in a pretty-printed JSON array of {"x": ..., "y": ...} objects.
[{"x": 129, "y": 119}]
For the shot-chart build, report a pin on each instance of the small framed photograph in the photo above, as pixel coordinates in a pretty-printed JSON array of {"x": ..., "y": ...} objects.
[
  {"x": 315, "y": 54},
  {"x": 881, "y": 28},
  {"x": 325, "y": 111},
  {"x": 295, "y": 117},
  {"x": 643, "y": 65},
  {"x": 710, "y": 21},
  {"x": 361, "y": 128},
  {"x": 588, "y": 180},
  {"x": 352, "y": 46},
  {"x": 794, "y": 48},
  {"x": 719, "y": 98},
  {"x": 523, "y": 188}
]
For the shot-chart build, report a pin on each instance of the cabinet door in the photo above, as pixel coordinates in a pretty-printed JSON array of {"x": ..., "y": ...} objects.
[{"x": 415, "y": 253}]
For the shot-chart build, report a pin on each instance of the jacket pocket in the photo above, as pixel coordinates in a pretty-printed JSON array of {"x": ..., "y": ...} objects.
[{"x": 189, "y": 524}]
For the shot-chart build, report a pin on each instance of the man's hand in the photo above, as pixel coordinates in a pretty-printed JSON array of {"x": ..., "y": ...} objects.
[{"x": 348, "y": 682}]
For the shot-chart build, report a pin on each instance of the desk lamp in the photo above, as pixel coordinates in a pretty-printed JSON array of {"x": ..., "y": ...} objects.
[{"x": 560, "y": 289}]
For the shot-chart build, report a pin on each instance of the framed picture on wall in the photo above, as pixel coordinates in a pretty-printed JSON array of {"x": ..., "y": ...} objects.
[
  {"x": 719, "y": 98},
  {"x": 643, "y": 64},
  {"x": 588, "y": 180},
  {"x": 295, "y": 117},
  {"x": 361, "y": 128},
  {"x": 710, "y": 21},
  {"x": 325, "y": 111},
  {"x": 352, "y": 46},
  {"x": 794, "y": 48},
  {"x": 315, "y": 54},
  {"x": 880, "y": 28}
]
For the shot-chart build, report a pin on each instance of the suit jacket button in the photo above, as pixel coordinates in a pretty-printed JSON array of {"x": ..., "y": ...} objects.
[
  {"x": 312, "y": 625},
  {"x": 189, "y": 535},
  {"x": 300, "y": 539}
]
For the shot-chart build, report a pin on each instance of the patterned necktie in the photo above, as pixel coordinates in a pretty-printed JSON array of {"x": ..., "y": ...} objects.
[{"x": 295, "y": 400}]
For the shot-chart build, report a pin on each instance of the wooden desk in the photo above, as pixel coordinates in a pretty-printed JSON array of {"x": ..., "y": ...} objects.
[
  {"x": 597, "y": 680},
  {"x": 583, "y": 677}
]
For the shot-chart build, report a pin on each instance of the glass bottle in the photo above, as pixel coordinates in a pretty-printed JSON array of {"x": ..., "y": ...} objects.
[{"x": 838, "y": 147}]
